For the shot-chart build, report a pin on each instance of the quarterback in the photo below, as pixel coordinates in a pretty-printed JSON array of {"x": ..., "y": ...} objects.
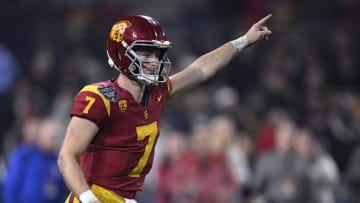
[{"x": 109, "y": 144}]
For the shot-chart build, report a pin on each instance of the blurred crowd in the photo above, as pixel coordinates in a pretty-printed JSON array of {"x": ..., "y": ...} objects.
[{"x": 281, "y": 124}]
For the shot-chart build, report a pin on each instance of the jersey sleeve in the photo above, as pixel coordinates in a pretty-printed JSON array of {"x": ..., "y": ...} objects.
[{"x": 90, "y": 104}]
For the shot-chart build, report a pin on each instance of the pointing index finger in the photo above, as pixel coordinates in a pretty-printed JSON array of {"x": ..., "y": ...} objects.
[{"x": 264, "y": 20}]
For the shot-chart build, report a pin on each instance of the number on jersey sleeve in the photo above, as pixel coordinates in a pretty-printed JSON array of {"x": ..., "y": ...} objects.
[{"x": 91, "y": 101}]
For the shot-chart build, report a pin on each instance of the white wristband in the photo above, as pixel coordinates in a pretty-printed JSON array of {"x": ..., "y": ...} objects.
[
  {"x": 240, "y": 43},
  {"x": 87, "y": 197}
]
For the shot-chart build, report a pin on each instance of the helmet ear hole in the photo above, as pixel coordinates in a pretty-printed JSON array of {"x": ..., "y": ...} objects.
[{"x": 118, "y": 54}]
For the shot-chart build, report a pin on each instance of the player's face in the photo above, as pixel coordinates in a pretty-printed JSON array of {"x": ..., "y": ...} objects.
[{"x": 149, "y": 57}]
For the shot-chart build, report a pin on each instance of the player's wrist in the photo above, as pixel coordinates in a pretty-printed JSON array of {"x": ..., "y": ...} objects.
[
  {"x": 87, "y": 197},
  {"x": 240, "y": 43}
]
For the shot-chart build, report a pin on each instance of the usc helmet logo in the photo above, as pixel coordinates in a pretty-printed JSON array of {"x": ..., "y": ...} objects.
[{"x": 118, "y": 30}]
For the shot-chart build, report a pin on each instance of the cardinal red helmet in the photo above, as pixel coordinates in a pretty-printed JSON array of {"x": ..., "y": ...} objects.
[{"x": 138, "y": 31}]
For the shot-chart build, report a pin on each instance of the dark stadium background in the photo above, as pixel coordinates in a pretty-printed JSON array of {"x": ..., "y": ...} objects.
[{"x": 309, "y": 68}]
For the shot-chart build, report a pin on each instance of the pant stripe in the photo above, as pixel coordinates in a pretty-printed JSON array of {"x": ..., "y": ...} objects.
[{"x": 71, "y": 199}]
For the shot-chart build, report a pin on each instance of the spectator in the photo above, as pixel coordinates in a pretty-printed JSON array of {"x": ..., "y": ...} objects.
[
  {"x": 279, "y": 173},
  {"x": 226, "y": 140},
  {"x": 19, "y": 160},
  {"x": 42, "y": 182},
  {"x": 9, "y": 70},
  {"x": 321, "y": 169}
]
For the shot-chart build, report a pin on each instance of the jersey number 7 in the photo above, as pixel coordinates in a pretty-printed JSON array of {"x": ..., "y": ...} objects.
[{"x": 151, "y": 131}]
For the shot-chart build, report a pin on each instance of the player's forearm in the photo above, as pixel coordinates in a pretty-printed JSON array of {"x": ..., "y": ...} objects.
[
  {"x": 202, "y": 68},
  {"x": 210, "y": 63},
  {"x": 72, "y": 174}
]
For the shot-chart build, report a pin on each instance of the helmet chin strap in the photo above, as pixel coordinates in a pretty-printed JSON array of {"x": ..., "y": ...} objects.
[{"x": 144, "y": 80}]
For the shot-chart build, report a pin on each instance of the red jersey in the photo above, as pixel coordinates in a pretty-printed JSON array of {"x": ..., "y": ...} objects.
[{"x": 122, "y": 152}]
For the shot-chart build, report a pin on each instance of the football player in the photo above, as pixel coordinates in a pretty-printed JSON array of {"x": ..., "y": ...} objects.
[{"x": 109, "y": 144}]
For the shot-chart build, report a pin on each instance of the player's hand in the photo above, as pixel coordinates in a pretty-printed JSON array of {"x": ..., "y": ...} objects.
[{"x": 258, "y": 31}]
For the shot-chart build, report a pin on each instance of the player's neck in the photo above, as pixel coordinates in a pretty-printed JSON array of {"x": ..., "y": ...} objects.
[{"x": 136, "y": 89}]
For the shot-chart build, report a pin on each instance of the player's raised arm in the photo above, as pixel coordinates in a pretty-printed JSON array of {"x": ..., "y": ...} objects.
[{"x": 208, "y": 64}]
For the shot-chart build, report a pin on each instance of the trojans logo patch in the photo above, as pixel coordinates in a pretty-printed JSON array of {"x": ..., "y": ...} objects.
[
  {"x": 109, "y": 93},
  {"x": 118, "y": 30},
  {"x": 123, "y": 105}
]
